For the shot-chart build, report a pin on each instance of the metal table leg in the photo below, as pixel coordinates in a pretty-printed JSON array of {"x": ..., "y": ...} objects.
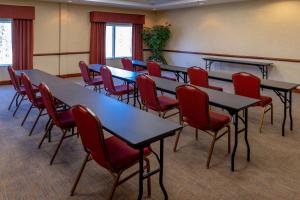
[
  {"x": 291, "y": 109},
  {"x": 246, "y": 134},
  {"x": 141, "y": 174},
  {"x": 284, "y": 113},
  {"x": 236, "y": 128},
  {"x": 161, "y": 173}
]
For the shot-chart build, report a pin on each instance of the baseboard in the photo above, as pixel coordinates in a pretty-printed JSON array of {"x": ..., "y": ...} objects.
[
  {"x": 5, "y": 82},
  {"x": 297, "y": 90},
  {"x": 69, "y": 75}
]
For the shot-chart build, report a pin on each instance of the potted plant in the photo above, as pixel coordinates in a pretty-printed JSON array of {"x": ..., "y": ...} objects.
[{"x": 156, "y": 39}]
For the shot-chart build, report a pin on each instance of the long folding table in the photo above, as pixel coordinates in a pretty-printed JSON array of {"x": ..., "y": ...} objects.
[
  {"x": 283, "y": 90},
  {"x": 230, "y": 102},
  {"x": 137, "y": 128},
  {"x": 262, "y": 66}
]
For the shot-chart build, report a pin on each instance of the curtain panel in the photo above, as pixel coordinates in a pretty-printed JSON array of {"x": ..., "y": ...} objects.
[
  {"x": 97, "y": 43},
  {"x": 137, "y": 41},
  {"x": 22, "y": 43}
]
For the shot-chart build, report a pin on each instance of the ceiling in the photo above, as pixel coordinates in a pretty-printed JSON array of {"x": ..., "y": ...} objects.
[{"x": 148, "y": 4}]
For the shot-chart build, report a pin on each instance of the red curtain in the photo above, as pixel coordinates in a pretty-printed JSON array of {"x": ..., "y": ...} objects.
[
  {"x": 22, "y": 43},
  {"x": 97, "y": 46},
  {"x": 137, "y": 41}
]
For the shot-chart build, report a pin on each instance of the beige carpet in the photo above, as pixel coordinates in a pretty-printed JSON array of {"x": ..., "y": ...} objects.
[{"x": 273, "y": 173}]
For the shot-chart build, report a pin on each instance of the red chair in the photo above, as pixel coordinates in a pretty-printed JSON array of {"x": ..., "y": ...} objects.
[
  {"x": 111, "y": 89},
  {"x": 63, "y": 119},
  {"x": 194, "y": 111},
  {"x": 127, "y": 65},
  {"x": 248, "y": 85},
  {"x": 36, "y": 101},
  {"x": 112, "y": 154},
  {"x": 154, "y": 70},
  {"x": 20, "y": 90},
  {"x": 96, "y": 82},
  {"x": 150, "y": 100},
  {"x": 199, "y": 77}
]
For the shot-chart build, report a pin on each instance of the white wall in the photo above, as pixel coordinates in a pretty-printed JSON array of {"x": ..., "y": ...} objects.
[
  {"x": 64, "y": 28},
  {"x": 263, "y": 28}
]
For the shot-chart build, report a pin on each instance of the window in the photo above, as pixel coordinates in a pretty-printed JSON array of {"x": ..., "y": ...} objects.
[
  {"x": 118, "y": 41},
  {"x": 5, "y": 43}
]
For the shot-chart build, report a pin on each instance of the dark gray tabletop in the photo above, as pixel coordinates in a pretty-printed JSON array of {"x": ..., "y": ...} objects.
[
  {"x": 171, "y": 68},
  {"x": 267, "y": 84},
  {"x": 216, "y": 98},
  {"x": 246, "y": 62},
  {"x": 135, "y": 127},
  {"x": 117, "y": 72}
]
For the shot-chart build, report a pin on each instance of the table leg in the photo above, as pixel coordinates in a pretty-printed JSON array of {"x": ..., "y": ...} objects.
[
  {"x": 246, "y": 134},
  {"x": 284, "y": 113},
  {"x": 141, "y": 173},
  {"x": 161, "y": 163},
  {"x": 128, "y": 93},
  {"x": 236, "y": 129},
  {"x": 291, "y": 110},
  {"x": 185, "y": 78}
]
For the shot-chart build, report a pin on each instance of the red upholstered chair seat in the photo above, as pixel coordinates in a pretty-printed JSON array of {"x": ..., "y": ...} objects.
[
  {"x": 264, "y": 100},
  {"x": 218, "y": 120},
  {"x": 66, "y": 119},
  {"x": 167, "y": 103},
  {"x": 122, "y": 89},
  {"x": 121, "y": 155},
  {"x": 138, "y": 69},
  {"x": 96, "y": 81}
]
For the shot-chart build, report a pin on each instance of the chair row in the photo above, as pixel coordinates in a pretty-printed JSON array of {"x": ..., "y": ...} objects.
[{"x": 111, "y": 153}]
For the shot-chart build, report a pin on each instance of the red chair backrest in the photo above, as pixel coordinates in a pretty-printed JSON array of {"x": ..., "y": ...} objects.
[
  {"x": 14, "y": 80},
  {"x": 84, "y": 71},
  {"x": 147, "y": 89},
  {"x": 28, "y": 88},
  {"x": 107, "y": 79},
  {"x": 49, "y": 103},
  {"x": 91, "y": 134},
  {"x": 193, "y": 106},
  {"x": 127, "y": 64},
  {"x": 246, "y": 84},
  {"x": 198, "y": 76},
  {"x": 153, "y": 69}
]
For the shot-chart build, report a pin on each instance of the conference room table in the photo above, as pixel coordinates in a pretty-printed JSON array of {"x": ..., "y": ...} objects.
[
  {"x": 284, "y": 90},
  {"x": 262, "y": 66},
  {"x": 137, "y": 128},
  {"x": 230, "y": 102}
]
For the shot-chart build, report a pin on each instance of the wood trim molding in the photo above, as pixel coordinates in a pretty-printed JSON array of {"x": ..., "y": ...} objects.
[
  {"x": 61, "y": 54},
  {"x": 232, "y": 56},
  {"x": 5, "y": 82},
  {"x": 69, "y": 75}
]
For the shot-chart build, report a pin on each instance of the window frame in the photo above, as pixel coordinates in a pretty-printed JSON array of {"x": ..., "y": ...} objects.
[
  {"x": 3, "y": 20},
  {"x": 114, "y": 25}
]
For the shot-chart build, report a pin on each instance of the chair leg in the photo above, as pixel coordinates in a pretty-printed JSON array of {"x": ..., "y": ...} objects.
[
  {"x": 58, "y": 146},
  {"x": 262, "y": 119},
  {"x": 115, "y": 185},
  {"x": 211, "y": 150},
  {"x": 26, "y": 115},
  {"x": 79, "y": 174},
  {"x": 36, "y": 121},
  {"x": 272, "y": 113},
  {"x": 176, "y": 142},
  {"x": 45, "y": 135},
  {"x": 12, "y": 101},
  {"x": 18, "y": 106},
  {"x": 196, "y": 134},
  {"x": 149, "y": 178},
  {"x": 229, "y": 140}
]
